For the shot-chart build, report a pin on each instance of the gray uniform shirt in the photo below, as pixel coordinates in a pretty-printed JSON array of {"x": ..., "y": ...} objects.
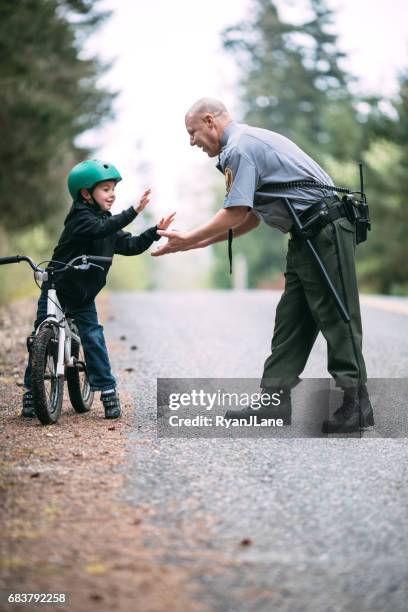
[{"x": 253, "y": 157}]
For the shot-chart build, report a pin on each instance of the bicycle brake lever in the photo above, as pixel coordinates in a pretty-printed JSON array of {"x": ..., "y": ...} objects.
[
  {"x": 87, "y": 266},
  {"x": 82, "y": 266}
]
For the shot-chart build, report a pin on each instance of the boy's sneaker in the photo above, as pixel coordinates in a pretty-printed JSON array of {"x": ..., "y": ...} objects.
[
  {"x": 28, "y": 405},
  {"x": 111, "y": 404}
]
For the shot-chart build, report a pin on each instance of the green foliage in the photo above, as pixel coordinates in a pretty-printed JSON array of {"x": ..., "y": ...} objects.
[
  {"x": 16, "y": 280},
  {"x": 263, "y": 249},
  {"x": 382, "y": 259},
  {"x": 292, "y": 83},
  {"x": 129, "y": 273},
  {"x": 264, "y": 253},
  {"x": 48, "y": 97},
  {"x": 386, "y": 252}
]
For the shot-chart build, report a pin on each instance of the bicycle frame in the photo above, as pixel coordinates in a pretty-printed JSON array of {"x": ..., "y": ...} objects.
[{"x": 56, "y": 317}]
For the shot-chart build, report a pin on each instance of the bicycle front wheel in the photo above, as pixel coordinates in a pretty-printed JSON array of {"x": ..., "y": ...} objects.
[{"x": 47, "y": 387}]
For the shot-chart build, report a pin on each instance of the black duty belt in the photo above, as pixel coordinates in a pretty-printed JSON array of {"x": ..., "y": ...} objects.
[
  {"x": 318, "y": 216},
  {"x": 313, "y": 219}
]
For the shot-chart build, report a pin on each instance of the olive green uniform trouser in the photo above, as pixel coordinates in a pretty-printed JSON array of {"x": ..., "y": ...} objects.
[{"x": 306, "y": 307}]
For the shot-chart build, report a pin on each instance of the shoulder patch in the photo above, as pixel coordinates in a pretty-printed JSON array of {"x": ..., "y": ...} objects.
[{"x": 228, "y": 178}]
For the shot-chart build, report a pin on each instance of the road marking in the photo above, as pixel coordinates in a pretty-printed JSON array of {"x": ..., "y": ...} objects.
[{"x": 385, "y": 304}]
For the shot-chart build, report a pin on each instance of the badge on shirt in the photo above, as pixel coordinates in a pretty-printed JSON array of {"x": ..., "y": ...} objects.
[{"x": 228, "y": 178}]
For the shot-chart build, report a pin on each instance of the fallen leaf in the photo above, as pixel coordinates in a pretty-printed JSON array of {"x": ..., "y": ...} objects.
[
  {"x": 96, "y": 597},
  {"x": 246, "y": 542},
  {"x": 96, "y": 569}
]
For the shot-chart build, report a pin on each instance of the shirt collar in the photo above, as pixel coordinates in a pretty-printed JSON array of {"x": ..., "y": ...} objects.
[
  {"x": 93, "y": 206},
  {"x": 227, "y": 133}
]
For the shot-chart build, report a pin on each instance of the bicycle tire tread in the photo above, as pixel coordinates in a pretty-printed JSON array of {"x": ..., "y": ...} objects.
[{"x": 39, "y": 351}]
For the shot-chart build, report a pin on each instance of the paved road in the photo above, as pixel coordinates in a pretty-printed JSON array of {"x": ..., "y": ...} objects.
[{"x": 268, "y": 524}]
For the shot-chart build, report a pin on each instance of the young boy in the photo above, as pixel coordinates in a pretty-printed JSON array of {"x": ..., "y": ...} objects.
[{"x": 90, "y": 229}]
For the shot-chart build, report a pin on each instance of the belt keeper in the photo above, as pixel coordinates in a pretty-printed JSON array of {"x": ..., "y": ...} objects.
[{"x": 323, "y": 218}]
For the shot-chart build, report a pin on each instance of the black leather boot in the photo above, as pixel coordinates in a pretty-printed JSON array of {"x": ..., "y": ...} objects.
[
  {"x": 269, "y": 411},
  {"x": 28, "y": 406},
  {"x": 111, "y": 404},
  {"x": 354, "y": 414},
  {"x": 365, "y": 405}
]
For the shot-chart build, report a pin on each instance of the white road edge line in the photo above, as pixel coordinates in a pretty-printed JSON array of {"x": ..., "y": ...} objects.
[{"x": 384, "y": 304}]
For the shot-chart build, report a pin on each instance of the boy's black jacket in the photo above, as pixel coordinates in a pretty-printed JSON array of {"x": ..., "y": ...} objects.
[{"x": 90, "y": 231}]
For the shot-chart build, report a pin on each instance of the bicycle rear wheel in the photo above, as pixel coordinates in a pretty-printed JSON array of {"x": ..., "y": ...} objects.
[
  {"x": 47, "y": 387},
  {"x": 79, "y": 389}
]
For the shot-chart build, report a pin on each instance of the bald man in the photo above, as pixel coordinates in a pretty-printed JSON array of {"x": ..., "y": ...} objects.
[{"x": 251, "y": 159}]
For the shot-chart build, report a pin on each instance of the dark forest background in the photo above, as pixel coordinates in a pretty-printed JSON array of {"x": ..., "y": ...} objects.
[{"x": 292, "y": 81}]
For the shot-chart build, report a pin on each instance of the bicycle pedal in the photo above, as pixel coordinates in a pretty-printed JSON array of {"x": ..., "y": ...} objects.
[{"x": 50, "y": 377}]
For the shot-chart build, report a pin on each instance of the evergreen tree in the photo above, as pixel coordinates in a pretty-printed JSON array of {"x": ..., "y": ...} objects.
[
  {"x": 292, "y": 80},
  {"x": 292, "y": 83},
  {"x": 48, "y": 97},
  {"x": 383, "y": 266}
]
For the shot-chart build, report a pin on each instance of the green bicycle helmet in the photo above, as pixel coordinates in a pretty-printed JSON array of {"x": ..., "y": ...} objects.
[{"x": 86, "y": 174}]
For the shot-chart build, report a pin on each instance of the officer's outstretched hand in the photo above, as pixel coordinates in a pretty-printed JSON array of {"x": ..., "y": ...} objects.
[
  {"x": 164, "y": 222},
  {"x": 177, "y": 241},
  {"x": 143, "y": 202}
]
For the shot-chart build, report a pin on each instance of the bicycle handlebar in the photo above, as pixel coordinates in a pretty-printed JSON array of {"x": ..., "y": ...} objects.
[
  {"x": 98, "y": 258},
  {"x": 16, "y": 259},
  {"x": 85, "y": 258},
  {"x": 10, "y": 260}
]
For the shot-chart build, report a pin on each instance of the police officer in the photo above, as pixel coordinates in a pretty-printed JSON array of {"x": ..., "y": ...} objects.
[{"x": 254, "y": 161}]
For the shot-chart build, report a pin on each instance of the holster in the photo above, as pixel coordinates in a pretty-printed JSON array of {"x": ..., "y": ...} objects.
[{"x": 319, "y": 215}]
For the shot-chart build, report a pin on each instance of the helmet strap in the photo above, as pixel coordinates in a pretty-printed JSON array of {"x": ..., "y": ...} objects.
[
  {"x": 93, "y": 199},
  {"x": 90, "y": 191}
]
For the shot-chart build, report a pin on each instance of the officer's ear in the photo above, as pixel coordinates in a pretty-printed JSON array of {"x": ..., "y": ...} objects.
[{"x": 209, "y": 120}]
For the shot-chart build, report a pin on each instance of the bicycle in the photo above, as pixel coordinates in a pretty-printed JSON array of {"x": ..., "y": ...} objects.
[{"x": 56, "y": 348}]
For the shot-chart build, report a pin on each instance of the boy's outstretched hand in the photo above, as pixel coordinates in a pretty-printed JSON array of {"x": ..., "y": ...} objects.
[
  {"x": 164, "y": 222},
  {"x": 143, "y": 202}
]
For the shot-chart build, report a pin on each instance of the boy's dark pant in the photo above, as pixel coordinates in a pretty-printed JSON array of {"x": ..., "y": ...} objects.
[
  {"x": 306, "y": 307},
  {"x": 93, "y": 342}
]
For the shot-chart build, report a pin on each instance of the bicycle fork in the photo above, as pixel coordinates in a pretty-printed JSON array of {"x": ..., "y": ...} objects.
[
  {"x": 55, "y": 313},
  {"x": 56, "y": 317}
]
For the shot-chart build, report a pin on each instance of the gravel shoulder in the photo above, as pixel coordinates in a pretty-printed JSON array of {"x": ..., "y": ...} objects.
[{"x": 65, "y": 528}]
